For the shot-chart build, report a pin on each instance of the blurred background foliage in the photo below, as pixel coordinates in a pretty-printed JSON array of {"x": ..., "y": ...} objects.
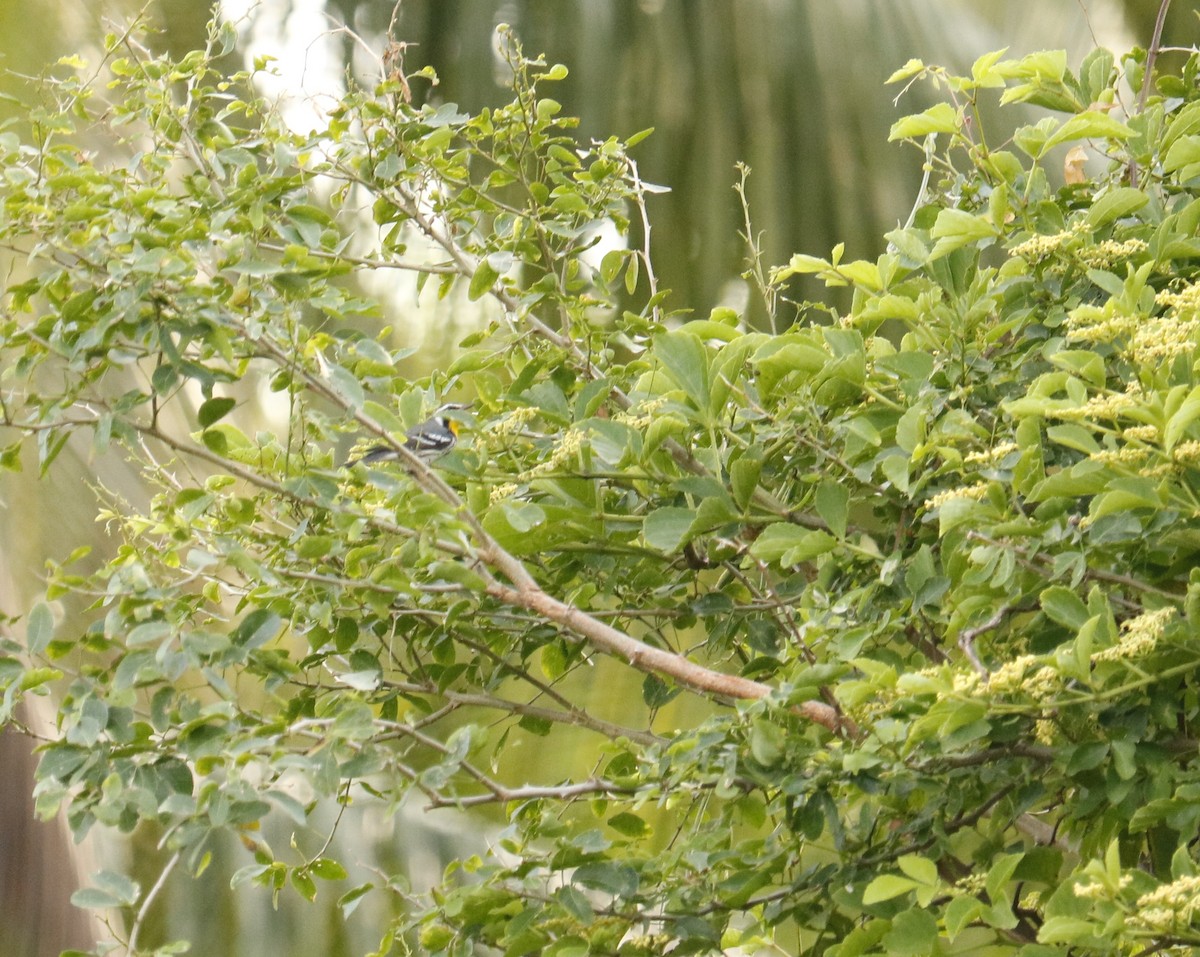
[{"x": 792, "y": 88}]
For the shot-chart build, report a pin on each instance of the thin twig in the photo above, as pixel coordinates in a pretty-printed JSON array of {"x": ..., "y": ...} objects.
[
  {"x": 149, "y": 899},
  {"x": 1151, "y": 57}
]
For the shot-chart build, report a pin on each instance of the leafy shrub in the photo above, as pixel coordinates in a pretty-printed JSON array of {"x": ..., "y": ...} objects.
[{"x": 940, "y": 548}]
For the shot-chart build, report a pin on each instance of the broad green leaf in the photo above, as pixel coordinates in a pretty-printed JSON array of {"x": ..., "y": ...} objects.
[
  {"x": 666, "y": 528},
  {"x": 328, "y": 869},
  {"x": 744, "y": 475},
  {"x": 214, "y": 410},
  {"x": 920, "y": 869},
  {"x": 1064, "y": 606},
  {"x": 708, "y": 329},
  {"x": 482, "y": 280},
  {"x": 39, "y": 628},
  {"x": 956, "y": 228},
  {"x": 1115, "y": 204},
  {"x": 523, "y": 516},
  {"x": 1183, "y": 417},
  {"x": 939, "y": 118},
  {"x": 767, "y": 742},
  {"x": 789, "y": 544},
  {"x": 608, "y": 876},
  {"x": 1073, "y": 436},
  {"x": 686, "y": 359},
  {"x": 728, "y": 369},
  {"x": 832, "y": 502},
  {"x": 1067, "y": 930},
  {"x": 961, "y": 912},
  {"x": 347, "y": 385},
  {"x": 983, "y": 70},
  {"x": 629, "y": 824},
  {"x": 913, "y": 932},
  {"x": 1000, "y": 873},
  {"x": 1089, "y": 125},
  {"x": 887, "y": 886},
  {"x": 257, "y": 628},
  {"x": 1183, "y": 157}
]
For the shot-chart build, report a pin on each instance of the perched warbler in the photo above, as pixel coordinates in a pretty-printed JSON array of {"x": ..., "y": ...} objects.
[{"x": 432, "y": 438}]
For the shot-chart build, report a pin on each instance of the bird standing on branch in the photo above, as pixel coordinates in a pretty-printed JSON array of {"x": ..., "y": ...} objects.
[{"x": 431, "y": 439}]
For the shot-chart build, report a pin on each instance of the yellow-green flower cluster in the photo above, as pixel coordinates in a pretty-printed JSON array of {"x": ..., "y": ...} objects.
[
  {"x": 1010, "y": 676},
  {"x": 990, "y": 456},
  {"x": 1110, "y": 251},
  {"x": 966, "y": 682},
  {"x": 1090, "y": 324},
  {"x": 515, "y": 421},
  {"x": 1141, "y": 433},
  {"x": 1041, "y": 247},
  {"x": 1045, "y": 731},
  {"x": 1043, "y": 684},
  {"x": 972, "y": 883},
  {"x": 1096, "y": 891},
  {"x": 1128, "y": 455},
  {"x": 568, "y": 447},
  {"x": 976, "y": 492},
  {"x": 1019, "y": 675},
  {"x": 1187, "y": 453},
  {"x": 499, "y": 492},
  {"x": 1104, "y": 406},
  {"x": 1162, "y": 339},
  {"x": 1138, "y": 636},
  {"x": 644, "y": 414},
  {"x": 1185, "y": 299},
  {"x": 1167, "y": 907}
]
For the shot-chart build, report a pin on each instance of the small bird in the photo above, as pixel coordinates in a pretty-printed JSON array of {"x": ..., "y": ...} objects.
[{"x": 431, "y": 439}]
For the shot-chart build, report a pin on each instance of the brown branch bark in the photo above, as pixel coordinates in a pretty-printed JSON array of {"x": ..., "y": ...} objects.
[{"x": 653, "y": 660}]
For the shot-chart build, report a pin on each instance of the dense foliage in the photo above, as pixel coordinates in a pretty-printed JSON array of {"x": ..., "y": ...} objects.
[{"x": 929, "y": 563}]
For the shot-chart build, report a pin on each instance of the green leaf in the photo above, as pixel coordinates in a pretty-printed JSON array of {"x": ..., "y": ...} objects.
[
  {"x": 685, "y": 357},
  {"x": 523, "y": 516},
  {"x": 612, "y": 878},
  {"x": 1183, "y": 157},
  {"x": 349, "y": 901},
  {"x": 832, "y": 502},
  {"x": 1001, "y": 873},
  {"x": 257, "y": 628},
  {"x": 939, "y": 118},
  {"x": 629, "y": 824},
  {"x": 328, "y": 869},
  {"x": 1064, "y": 606},
  {"x": 305, "y": 885},
  {"x": 1073, "y": 436},
  {"x": 919, "y": 868},
  {"x": 1115, "y": 204},
  {"x": 214, "y": 410},
  {"x": 347, "y": 385},
  {"x": 1067, "y": 930},
  {"x": 39, "y": 628},
  {"x": 482, "y": 280},
  {"x": 743, "y": 477},
  {"x": 913, "y": 932},
  {"x": 1091, "y": 124},
  {"x": 959, "y": 913},
  {"x": 112, "y": 890},
  {"x": 665, "y": 529},
  {"x": 790, "y": 545},
  {"x": 955, "y": 228},
  {"x": 93, "y": 898},
  {"x": 887, "y": 886},
  {"x": 767, "y": 742},
  {"x": 1183, "y": 417}
]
